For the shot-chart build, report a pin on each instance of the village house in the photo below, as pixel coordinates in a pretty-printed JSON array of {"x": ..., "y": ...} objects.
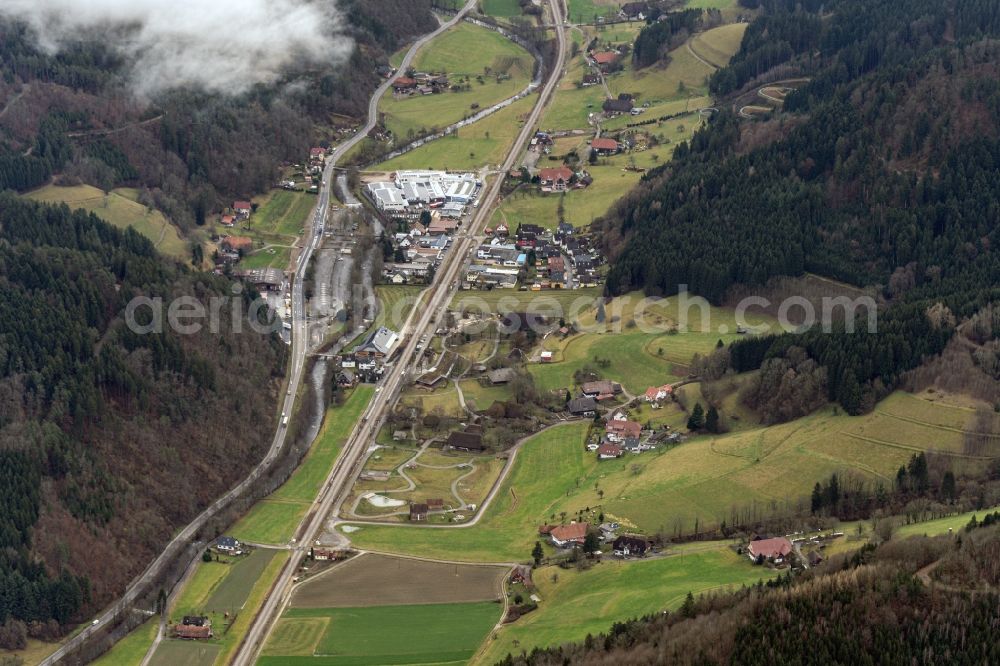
[
  {"x": 601, "y": 389},
  {"x": 658, "y": 393},
  {"x": 237, "y": 244},
  {"x": 605, "y": 60},
  {"x": 378, "y": 344},
  {"x": 567, "y": 536},
  {"x": 630, "y": 545},
  {"x": 228, "y": 545},
  {"x": 557, "y": 270},
  {"x": 608, "y": 450},
  {"x": 528, "y": 235},
  {"x": 193, "y": 627},
  {"x": 614, "y": 107},
  {"x": 771, "y": 550},
  {"x": 403, "y": 84},
  {"x": 501, "y": 376},
  {"x": 242, "y": 209},
  {"x": 605, "y": 146},
  {"x": 556, "y": 179},
  {"x": 466, "y": 441},
  {"x": 619, "y": 431},
  {"x": 634, "y": 11},
  {"x": 418, "y": 512},
  {"x": 585, "y": 406}
]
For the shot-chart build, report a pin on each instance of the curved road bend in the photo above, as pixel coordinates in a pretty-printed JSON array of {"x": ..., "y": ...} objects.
[
  {"x": 331, "y": 494},
  {"x": 299, "y": 348}
]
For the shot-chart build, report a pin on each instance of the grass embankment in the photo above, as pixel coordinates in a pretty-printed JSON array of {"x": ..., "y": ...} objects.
[{"x": 273, "y": 520}]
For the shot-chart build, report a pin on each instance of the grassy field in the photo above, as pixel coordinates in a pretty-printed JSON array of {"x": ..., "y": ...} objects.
[
  {"x": 274, "y": 520},
  {"x": 585, "y": 10},
  {"x": 502, "y": 8},
  {"x": 701, "y": 480},
  {"x": 283, "y": 212},
  {"x": 464, "y": 51},
  {"x": 636, "y": 351},
  {"x": 119, "y": 208},
  {"x": 484, "y": 142},
  {"x": 375, "y": 635},
  {"x": 278, "y": 256},
  {"x": 376, "y": 580},
  {"x": 578, "y": 603},
  {"x": 719, "y": 45},
  {"x": 658, "y": 83},
  {"x": 510, "y": 300},
  {"x": 185, "y": 653},
  {"x": 130, "y": 650},
  {"x": 572, "y": 104},
  {"x": 484, "y": 396}
]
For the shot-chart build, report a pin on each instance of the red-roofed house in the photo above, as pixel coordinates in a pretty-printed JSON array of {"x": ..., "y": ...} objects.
[
  {"x": 242, "y": 209},
  {"x": 770, "y": 549},
  {"x": 607, "y": 451},
  {"x": 237, "y": 243},
  {"x": 657, "y": 393},
  {"x": 604, "y": 146},
  {"x": 403, "y": 83},
  {"x": 565, "y": 536},
  {"x": 556, "y": 177},
  {"x": 604, "y": 59},
  {"x": 192, "y": 631}
]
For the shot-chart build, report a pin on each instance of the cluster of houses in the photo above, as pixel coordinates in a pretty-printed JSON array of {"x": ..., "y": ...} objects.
[
  {"x": 574, "y": 534},
  {"x": 239, "y": 212},
  {"x": 564, "y": 259},
  {"x": 419, "y": 83},
  {"x": 417, "y": 252},
  {"x": 366, "y": 362}
]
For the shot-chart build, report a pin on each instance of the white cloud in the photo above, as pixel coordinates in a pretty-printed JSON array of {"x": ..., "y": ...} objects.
[{"x": 223, "y": 46}]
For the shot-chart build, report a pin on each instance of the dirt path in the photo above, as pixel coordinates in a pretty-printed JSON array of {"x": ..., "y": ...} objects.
[
  {"x": 698, "y": 57},
  {"x": 13, "y": 100},
  {"x": 115, "y": 130}
]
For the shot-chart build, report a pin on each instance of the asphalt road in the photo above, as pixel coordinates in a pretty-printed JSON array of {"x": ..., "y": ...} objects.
[{"x": 332, "y": 494}]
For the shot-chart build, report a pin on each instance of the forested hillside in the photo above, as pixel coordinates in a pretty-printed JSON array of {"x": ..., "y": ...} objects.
[
  {"x": 882, "y": 170},
  {"x": 869, "y": 608},
  {"x": 108, "y": 439},
  {"x": 190, "y": 151}
]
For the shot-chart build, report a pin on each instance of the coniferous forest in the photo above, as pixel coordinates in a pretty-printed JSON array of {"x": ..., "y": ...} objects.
[
  {"x": 882, "y": 169},
  {"x": 88, "y": 408}
]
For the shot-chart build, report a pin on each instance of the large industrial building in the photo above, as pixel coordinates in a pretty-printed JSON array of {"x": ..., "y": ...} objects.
[{"x": 412, "y": 191}]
